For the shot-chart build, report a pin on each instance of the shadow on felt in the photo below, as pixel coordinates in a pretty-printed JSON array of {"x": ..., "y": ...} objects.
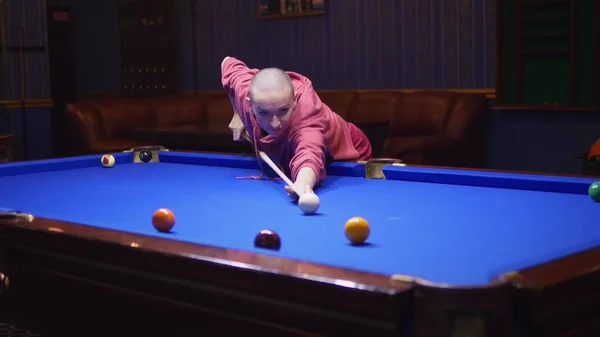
[{"x": 363, "y": 245}]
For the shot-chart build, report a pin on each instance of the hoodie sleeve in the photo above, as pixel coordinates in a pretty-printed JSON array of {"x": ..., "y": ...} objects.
[
  {"x": 236, "y": 78},
  {"x": 309, "y": 137}
]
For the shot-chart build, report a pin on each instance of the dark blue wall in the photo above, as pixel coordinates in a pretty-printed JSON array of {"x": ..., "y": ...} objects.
[
  {"x": 358, "y": 44},
  {"x": 540, "y": 140},
  {"x": 26, "y": 77},
  {"x": 385, "y": 44}
]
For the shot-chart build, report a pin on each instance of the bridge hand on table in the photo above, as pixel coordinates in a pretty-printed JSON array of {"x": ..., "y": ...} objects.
[{"x": 302, "y": 189}]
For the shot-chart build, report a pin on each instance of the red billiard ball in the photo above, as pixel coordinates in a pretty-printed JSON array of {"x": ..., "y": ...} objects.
[
  {"x": 267, "y": 239},
  {"x": 163, "y": 220}
]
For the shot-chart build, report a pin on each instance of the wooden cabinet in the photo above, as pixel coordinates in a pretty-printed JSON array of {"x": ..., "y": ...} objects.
[
  {"x": 546, "y": 54},
  {"x": 148, "y": 48}
]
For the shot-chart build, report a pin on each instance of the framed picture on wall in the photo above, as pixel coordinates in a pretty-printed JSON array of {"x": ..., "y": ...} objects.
[{"x": 280, "y": 9}]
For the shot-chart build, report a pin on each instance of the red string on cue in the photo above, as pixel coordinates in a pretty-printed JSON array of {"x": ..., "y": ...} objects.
[{"x": 262, "y": 171}]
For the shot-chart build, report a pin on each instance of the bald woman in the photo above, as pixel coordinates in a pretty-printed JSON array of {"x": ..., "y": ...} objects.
[{"x": 284, "y": 116}]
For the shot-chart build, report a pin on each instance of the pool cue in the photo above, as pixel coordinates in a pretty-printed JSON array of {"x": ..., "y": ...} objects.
[{"x": 271, "y": 164}]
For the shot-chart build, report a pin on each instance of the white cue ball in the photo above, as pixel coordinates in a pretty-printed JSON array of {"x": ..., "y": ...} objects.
[
  {"x": 309, "y": 203},
  {"x": 107, "y": 160}
]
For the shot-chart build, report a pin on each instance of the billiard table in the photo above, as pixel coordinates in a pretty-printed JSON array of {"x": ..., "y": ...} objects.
[{"x": 450, "y": 252}]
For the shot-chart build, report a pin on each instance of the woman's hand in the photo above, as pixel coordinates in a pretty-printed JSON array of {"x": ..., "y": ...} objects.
[
  {"x": 237, "y": 128},
  {"x": 305, "y": 181},
  {"x": 302, "y": 189}
]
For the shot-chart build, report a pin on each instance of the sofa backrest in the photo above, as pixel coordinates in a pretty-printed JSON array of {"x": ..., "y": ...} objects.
[
  {"x": 178, "y": 110},
  {"x": 340, "y": 101},
  {"x": 218, "y": 112},
  {"x": 121, "y": 116},
  {"x": 84, "y": 118},
  {"x": 423, "y": 113}
]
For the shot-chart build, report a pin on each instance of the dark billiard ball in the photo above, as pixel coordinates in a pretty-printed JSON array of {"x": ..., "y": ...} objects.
[
  {"x": 594, "y": 191},
  {"x": 267, "y": 239},
  {"x": 145, "y": 156}
]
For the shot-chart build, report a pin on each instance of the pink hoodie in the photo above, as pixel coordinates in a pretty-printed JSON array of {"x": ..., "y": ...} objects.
[{"x": 314, "y": 132}]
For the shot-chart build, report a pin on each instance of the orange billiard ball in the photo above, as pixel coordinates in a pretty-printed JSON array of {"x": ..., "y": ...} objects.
[
  {"x": 163, "y": 220},
  {"x": 357, "y": 230}
]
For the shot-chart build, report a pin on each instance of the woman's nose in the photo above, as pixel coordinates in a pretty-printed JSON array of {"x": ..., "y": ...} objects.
[{"x": 275, "y": 123}]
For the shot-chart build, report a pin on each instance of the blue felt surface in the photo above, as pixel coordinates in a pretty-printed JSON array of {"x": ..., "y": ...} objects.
[{"x": 453, "y": 232}]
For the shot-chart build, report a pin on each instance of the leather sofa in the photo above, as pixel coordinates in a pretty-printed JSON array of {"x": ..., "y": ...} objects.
[
  {"x": 423, "y": 127},
  {"x": 8, "y": 148}
]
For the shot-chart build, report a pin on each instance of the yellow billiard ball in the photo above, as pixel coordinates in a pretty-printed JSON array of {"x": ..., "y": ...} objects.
[{"x": 357, "y": 230}]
